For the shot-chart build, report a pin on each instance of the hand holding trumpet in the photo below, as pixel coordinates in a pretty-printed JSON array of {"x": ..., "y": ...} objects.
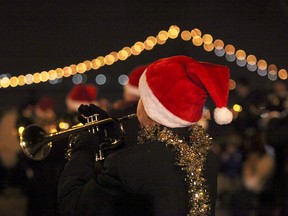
[
  {"x": 36, "y": 143},
  {"x": 101, "y": 138}
]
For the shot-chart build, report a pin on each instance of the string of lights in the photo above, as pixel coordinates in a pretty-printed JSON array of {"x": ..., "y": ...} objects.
[{"x": 195, "y": 36}]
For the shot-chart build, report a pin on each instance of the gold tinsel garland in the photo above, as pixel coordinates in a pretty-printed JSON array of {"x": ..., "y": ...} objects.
[{"x": 191, "y": 157}]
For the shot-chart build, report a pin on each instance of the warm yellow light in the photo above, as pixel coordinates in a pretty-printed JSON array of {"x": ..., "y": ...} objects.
[
  {"x": 63, "y": 125},
  {"x": 21, "y": 80},
  {"x": 207, "y": 39},
  {"x": 186, "y": 35},
  {"x": 96, "y": 64},
  {"x": 140, "y": 45},
  {"x": 218, "y": 44},
  {"x": 173, "y": 33},
  {"x": 160, "y": 41},
  {"x": 197, "y": 40},
  {"x": 52, "y": 74},
  {"x": 196, "y": 32},
  {"x": 262, "y": 64},
  {"x": 67, "y": 71},
  {"x": 44, "y": 76},
  {"x": 232, "y": 84},
  {"x": 81, "y": 68},
  {"x": 5, "y": 82},
  {"x": 237, "y": 108},
  {"x": 208, "y": 47},
  {"x": 175, "y": 27},
  {"x": 152, "y": 40},
  {"x": 88, "y": 65},
  {"x": 122, "y": 55},
  {"x": 52, "y": 130},
  {"x": 13, "y": 81},
  {"x": 37, "y": 77},
  {"x": 101, "y": 59},
  {"x": 148, "y": 45},
  {"x": 128, "y": 51},
  {"x": 73, "y": 68},
  {"x": 282, "y": 74},
  {"x": 251, "y": 59},
  {"x": 109, "y": 59},
  {"x": 229, "y": 49},
  {"x": 115, "y": 56},
  {"x": 163, "y": 35},
  {"x": 20, "y": 130},
  {"x": 59, "y": 73},
  {"x": 240, "y": 54},
  {"x": 135, "y": 50}
]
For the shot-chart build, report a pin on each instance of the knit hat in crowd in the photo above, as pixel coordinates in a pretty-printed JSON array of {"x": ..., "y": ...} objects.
[
  {"x": 81, "y": 94},
  {"x": 174, "y": 91}
]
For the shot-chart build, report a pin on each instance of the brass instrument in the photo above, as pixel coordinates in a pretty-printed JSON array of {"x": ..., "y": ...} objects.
[{"x": 37, "y": 144}]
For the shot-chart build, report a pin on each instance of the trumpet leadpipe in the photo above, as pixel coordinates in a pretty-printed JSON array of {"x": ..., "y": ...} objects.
[{"x": 36, "y": 143}]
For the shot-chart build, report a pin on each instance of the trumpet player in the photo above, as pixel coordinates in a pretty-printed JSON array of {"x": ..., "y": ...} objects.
[{"x": 169, "y": 171}]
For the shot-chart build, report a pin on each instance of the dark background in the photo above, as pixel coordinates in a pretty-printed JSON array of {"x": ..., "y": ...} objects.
[{"x": 43, "y": 35}]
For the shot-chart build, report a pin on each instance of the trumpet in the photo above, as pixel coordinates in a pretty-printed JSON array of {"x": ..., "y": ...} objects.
[{"x": 36, "y": 143}]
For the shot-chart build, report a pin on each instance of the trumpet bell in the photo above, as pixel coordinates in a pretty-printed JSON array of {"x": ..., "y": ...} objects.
[
  {"x": 37, "y": 144},
  {"x": 33, "y": 144}
]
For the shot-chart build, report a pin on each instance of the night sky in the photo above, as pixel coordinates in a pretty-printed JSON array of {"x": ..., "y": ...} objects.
[{"x": 43, "y": 35}]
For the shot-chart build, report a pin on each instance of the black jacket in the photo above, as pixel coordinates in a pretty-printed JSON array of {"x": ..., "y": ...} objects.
[{"x": 140, "y": 180}]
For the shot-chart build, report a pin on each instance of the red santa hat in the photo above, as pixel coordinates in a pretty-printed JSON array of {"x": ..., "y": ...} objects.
[
  {"x": 46, "y": 103},
  {"x": 81, "y": 94},
  {"x": 174, "y": 91},
  {"x": 131, "y": 88}
]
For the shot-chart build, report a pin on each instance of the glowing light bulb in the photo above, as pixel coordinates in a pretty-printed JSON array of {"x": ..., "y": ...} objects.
[
  {"x": 197, "y": 41},
  {"x": 186, "y": 35}
]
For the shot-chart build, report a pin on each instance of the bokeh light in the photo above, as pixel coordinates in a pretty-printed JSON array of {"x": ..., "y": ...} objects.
[
  {"x": 77, "y": 79},
  {"x": 282, "y": 74},
  {"x": 123, "y": 79},
  {"x": 186, "y": 35},
  {"x": 232, "y": 84},
  {"x": 197, "y": 41},
  {"x": 195, "y": 35},
  {"x": 100, "y": 79}
]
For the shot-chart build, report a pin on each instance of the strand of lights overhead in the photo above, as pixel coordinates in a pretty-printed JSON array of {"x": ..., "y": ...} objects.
[
  {"x": 87, "y": 65},
  {"x": 230, "y": 53},
  {"x": 220, "y": 49}
]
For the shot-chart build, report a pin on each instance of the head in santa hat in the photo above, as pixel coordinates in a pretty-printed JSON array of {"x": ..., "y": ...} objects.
[
  {"x": 131, "y": 91},
  {"x": 174, "y": 90},
  {"x": 81, "y": 94}
]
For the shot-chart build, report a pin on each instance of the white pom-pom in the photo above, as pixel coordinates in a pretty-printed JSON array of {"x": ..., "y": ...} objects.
[{"x": 222, "y": 115}]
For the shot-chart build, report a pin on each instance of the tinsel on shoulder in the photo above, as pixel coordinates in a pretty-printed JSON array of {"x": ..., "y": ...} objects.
[{"x": 190, "y": 156}]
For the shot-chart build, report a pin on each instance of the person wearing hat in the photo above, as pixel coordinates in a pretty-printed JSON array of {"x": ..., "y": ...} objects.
[
  {"x": 81, "y": 94},
  {"x": 128, "y": 105},
  {"x": 169, "y": 172},
  {"x": 131, "y": 93},
  {"x": 77, "y": 95}
]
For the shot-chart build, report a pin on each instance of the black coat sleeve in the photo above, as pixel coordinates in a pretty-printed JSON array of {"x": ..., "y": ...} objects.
[{"x": 79, "y": 193}]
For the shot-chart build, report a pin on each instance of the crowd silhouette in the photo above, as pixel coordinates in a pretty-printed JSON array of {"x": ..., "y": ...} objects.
[{"x": 252, "y": 151}]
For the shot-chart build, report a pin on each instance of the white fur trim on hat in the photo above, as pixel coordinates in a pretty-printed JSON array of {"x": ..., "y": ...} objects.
[
  {"x": 223, "y": 115},
  {"x": 155, "y": 110}
]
